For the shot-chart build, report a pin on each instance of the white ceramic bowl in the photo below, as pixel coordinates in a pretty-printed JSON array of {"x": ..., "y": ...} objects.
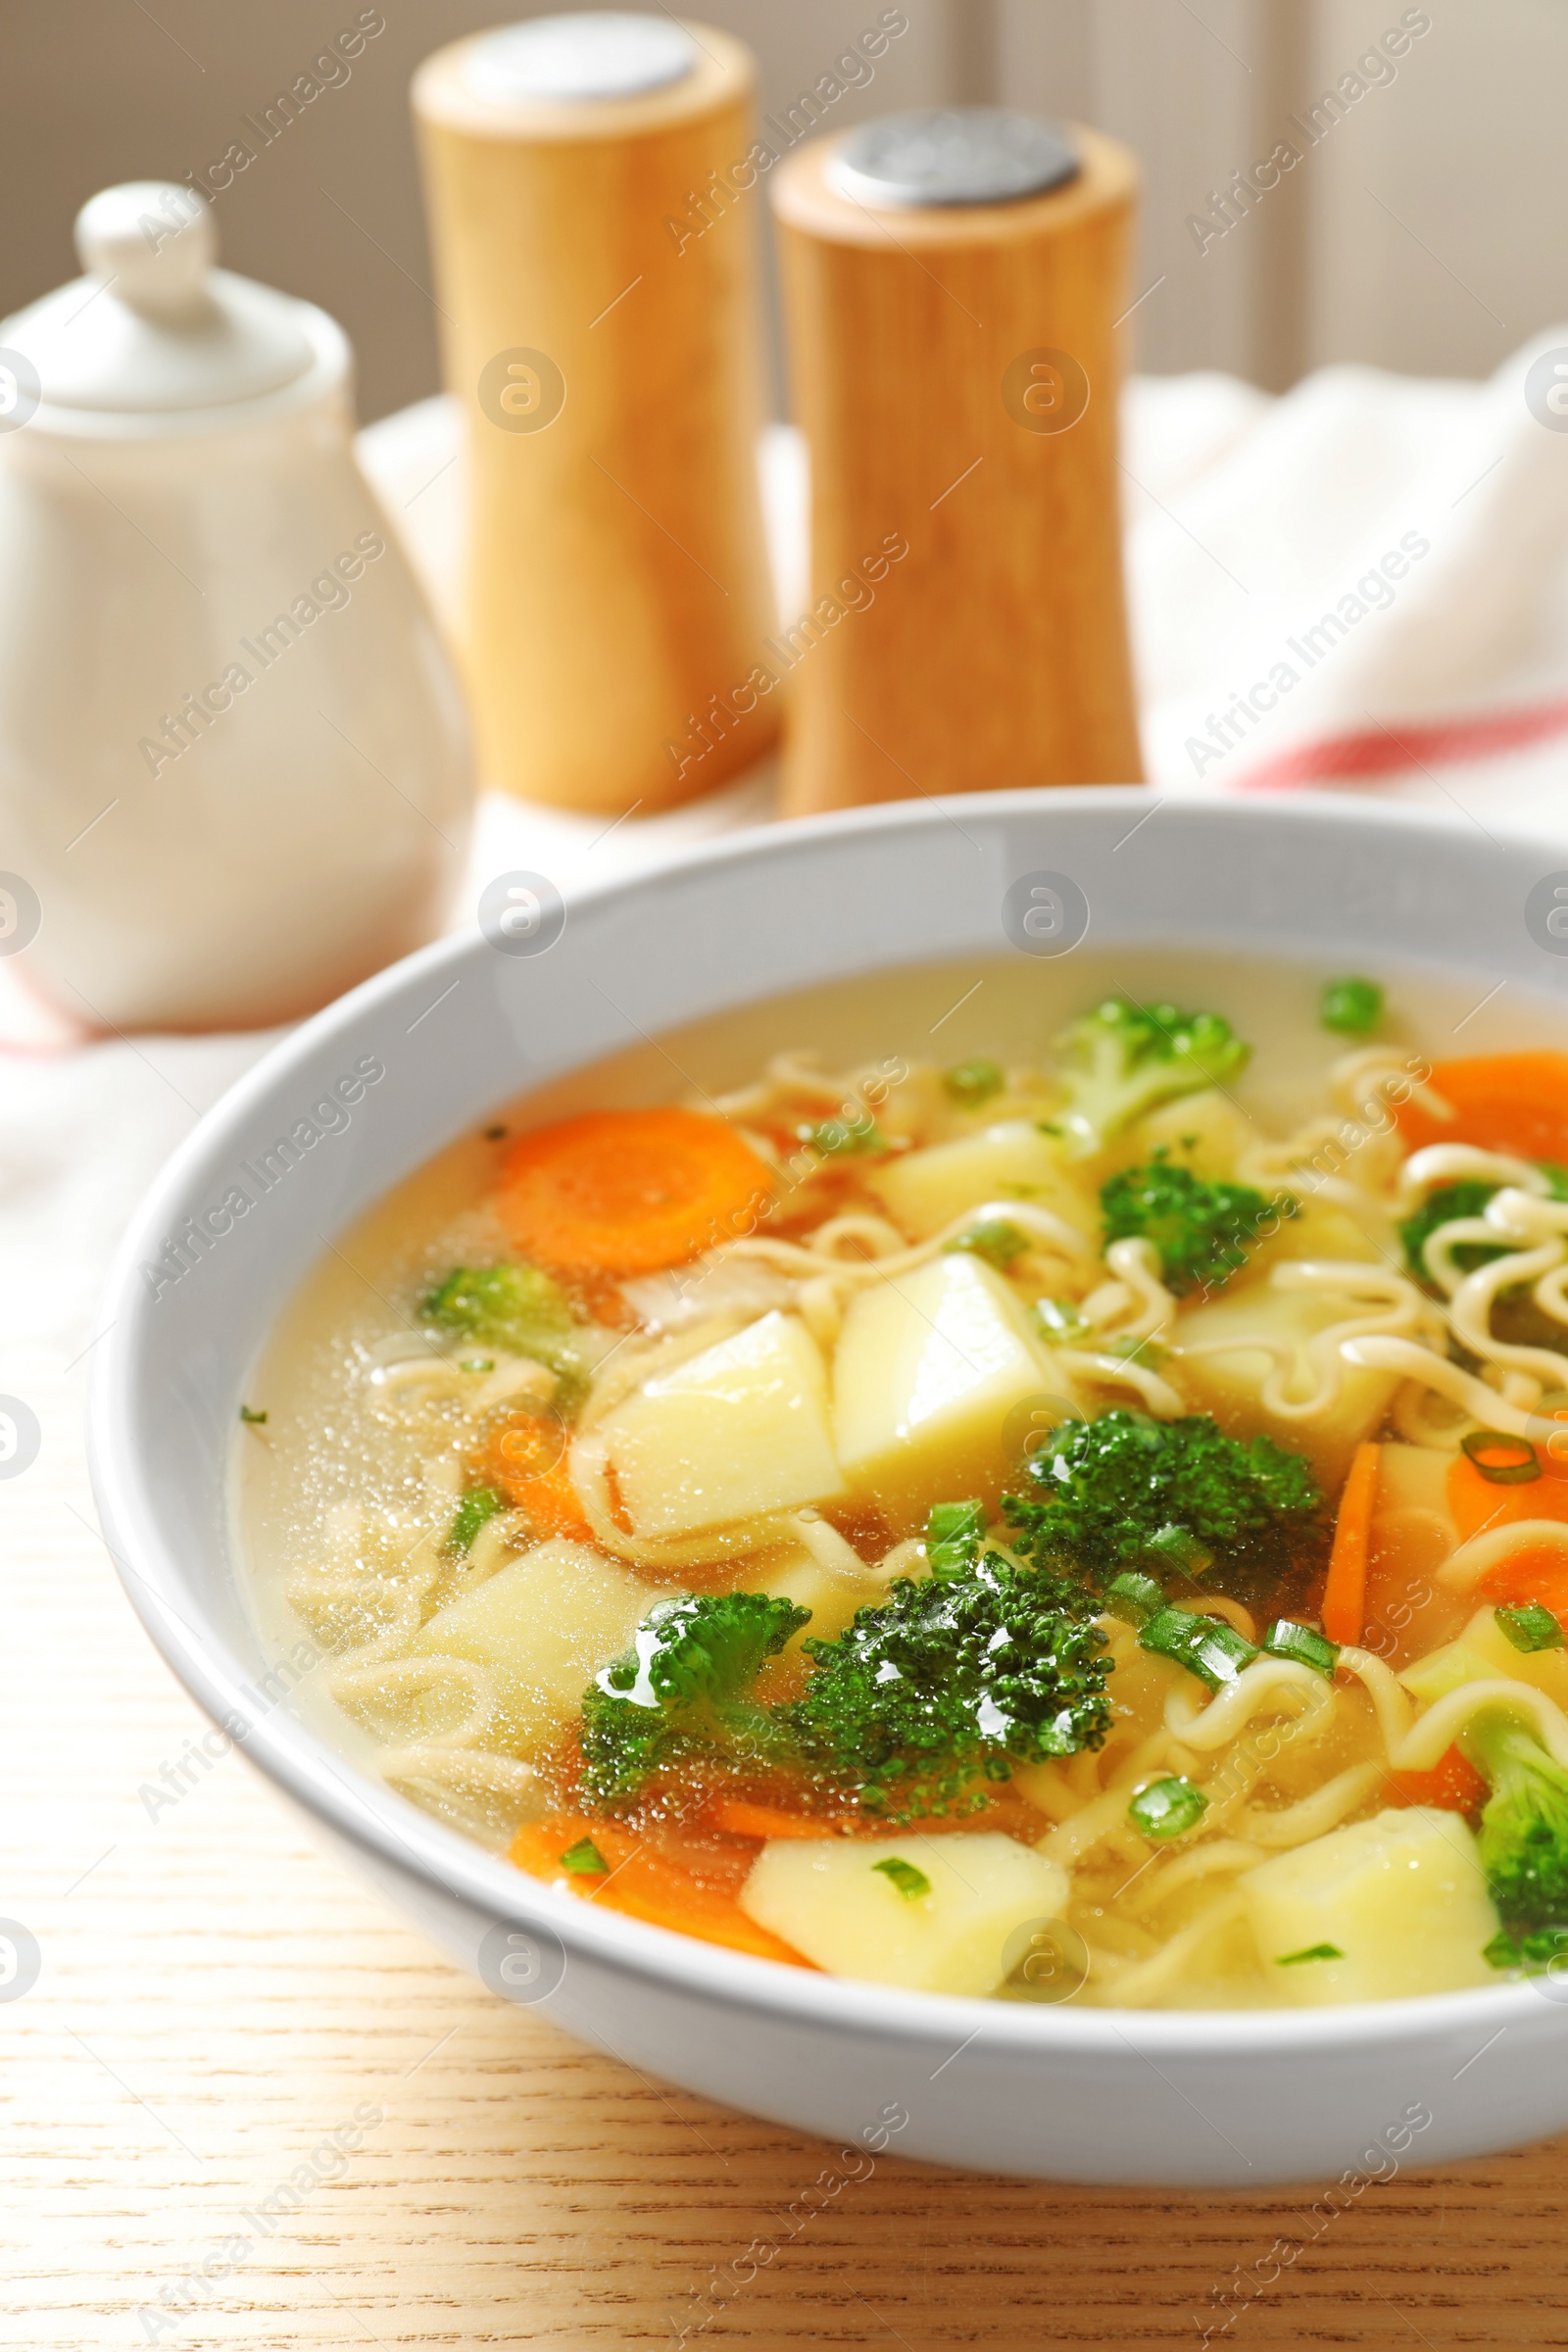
[{"x": 1057, "y": 2093}]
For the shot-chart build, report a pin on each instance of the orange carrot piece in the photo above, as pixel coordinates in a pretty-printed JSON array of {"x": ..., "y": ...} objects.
[
  {"x": 1516, "y": 1102},
  {"x": 1530, "y": 1575},
  {"x": 1452, "y": 1782},
  {"x": 643, "y": 1883},
  {"x": 627, "y": 1192},
  {"x": 527, "y": 1459},
  {"x": 739, "y": 1819},
  {"x": 1345, "y": 1594},
  {"x": 1478, "y": 1503}
]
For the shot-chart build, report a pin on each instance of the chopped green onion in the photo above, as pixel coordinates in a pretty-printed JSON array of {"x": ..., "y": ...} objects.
[
  {"x": 954, "y": 1532},
  {"x": 1206, "y": 1646},
  {"x": 1520, "y": 1464},
  {"x": 1168, "y": 1808},
  {"x": 478, "y": 1364},
  {"x": 1286, "y": 1638},
  {"x": 1134, "y": 1597},
  {"x": 1350, "y": 1007},
  {"x": 972, "y": 1083},
  {"x": 1173, "y": 1547},
  {"x": 911, "y": 1883},
  {"x": 832, "y": 1136},
  {"x": 246, "y": 1414},
  {"x": 1146, "y": 1352},
  {"x": 995, "y": 1238},
  {"x": 1058, "y": 1319},
  {"x": 1313, "y": 1951},
  {"x": 477, "y": 1505},
  {"x": 584, "y": 1860},
  {"x": 1532, "y": 1626}
]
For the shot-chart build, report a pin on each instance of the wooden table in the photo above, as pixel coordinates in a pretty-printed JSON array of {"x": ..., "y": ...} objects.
[{"x": 216, "y": 1999}]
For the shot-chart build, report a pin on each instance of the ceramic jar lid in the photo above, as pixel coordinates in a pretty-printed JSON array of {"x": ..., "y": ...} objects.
[{"x": 155, "y": 330}]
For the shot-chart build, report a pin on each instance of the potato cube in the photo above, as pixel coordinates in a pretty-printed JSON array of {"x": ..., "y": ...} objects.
[
  {"x": 1400, "y": 1903},
  {"x": 1228, "y": 1382},
  {"x": 792, "y": 1573},
  {"x": 1484, "y": 1653},
  {"x": 545, "y": 1623},
  {"x": 1013, "y": 1161},
  {"x": 928, "y": 1367},
  {"x": 856, "y": 1905},
  {"x": 740, "y": 1430}
]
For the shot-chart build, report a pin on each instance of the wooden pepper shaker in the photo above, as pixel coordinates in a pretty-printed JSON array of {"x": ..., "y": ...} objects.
[
  {"x": 952, "y": 282},
  {"x": 587, "y": 182}
]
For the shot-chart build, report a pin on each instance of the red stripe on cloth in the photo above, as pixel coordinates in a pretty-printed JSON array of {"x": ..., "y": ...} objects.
[{"x": 1384, "y": 751}]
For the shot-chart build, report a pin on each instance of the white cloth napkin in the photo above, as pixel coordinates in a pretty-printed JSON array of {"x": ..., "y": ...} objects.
[{"x": 1400, "y": 547}]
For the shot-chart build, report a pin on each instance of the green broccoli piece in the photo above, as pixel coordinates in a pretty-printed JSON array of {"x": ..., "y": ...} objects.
[
  {"x": 517, "y": 1310},
  {"x": 1468, "y": 1198},
  {"x": 954, "y": 1534},
  {"x": 684, "y": 1690},
  {"x": 944, "y": 1683},
  {"x": 1125, "y": 1491},
  {"x": 1200, "y": 1230},
  {"x": 1125, "y": 1059},
  {"x": 1524, "y": 1836}
]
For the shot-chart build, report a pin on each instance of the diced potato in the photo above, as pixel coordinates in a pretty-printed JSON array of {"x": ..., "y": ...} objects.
[
  {"x": 1403, "y": 1897},
  {"x": 1219, "y": 1132},
  {"x": 1483, "y": 1653},
  {"x": 740, "y": 1430},
  {"x": 546, "y": 1624},
  {"x": 928, "y": 1367},
  {"x": 1013, "y": 1161},
  {"x": 828, "y": 1899},
  {"x": 791, "y": 1573},
  {"x": 1228, "y": 1382}
]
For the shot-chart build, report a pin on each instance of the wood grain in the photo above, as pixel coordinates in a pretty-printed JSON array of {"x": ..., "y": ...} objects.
[
  {"x": 217, "y": 1998},
  {"x": 996, "y": 649},
  {"x": 617, "y": 591}
]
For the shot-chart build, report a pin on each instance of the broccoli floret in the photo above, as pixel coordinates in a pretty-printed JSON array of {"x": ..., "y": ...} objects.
[
  {"x": 1128, "y": 1491},
  {"x": 943, "y": 1685},
  {"x": 683, "y": 1689},
  {"x": 1524, "y": 1836},
  {"x": 1466, "y": 1198},
  {"x": 517, "y": 1310},
  {"x": 1124, "y": 1058},
  {"x": 1200, "y": 1230}
]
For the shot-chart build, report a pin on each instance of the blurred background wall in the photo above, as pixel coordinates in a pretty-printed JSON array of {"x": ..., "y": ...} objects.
[{"x": 1420, "y": 232}]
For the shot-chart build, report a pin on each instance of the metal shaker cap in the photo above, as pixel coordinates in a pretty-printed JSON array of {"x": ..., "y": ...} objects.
[
  {"x": 952, "y": 155},
  {"x": 600, "y": 54}
]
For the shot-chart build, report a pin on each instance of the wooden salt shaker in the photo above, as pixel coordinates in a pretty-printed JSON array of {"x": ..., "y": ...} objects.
[
  {"x": 952, "y": 283},
  {"x": 587, "y": 179}
]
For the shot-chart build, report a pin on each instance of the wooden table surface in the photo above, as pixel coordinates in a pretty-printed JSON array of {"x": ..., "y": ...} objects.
[{"x": 215, "y": 1999}]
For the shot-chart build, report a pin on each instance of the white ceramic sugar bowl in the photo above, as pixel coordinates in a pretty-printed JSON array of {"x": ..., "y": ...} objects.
[{"x": 234, "y": 765}]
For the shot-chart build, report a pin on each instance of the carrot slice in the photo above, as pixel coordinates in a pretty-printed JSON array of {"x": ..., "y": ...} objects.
[
  {"x": 627, "y": 1192},
  {"x": 1478, "y": 1503},
  {"x": 643, "y": 1883},
  {"x": 1530, "y": 1575},
  {"x": 1452, "y": 1782},
  {"x": 527, "y": 1459},
  {"x": 1516, "y": 1102},
  {"x": 1345, "y": 1594},
  {"x": 741, "y": 1820}
]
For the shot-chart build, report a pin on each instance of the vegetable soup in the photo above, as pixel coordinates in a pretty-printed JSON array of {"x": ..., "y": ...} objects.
[{"x": 1034, "y": 1483}]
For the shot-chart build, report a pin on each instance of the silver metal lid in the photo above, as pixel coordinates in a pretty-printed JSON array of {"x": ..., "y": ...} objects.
[
  {"x": 606, "y": 54},
  {"x": 952, "y": 155}
]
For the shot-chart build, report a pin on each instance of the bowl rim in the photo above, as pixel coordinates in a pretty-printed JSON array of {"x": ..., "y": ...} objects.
[{"x": 398, "y": 1834}]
